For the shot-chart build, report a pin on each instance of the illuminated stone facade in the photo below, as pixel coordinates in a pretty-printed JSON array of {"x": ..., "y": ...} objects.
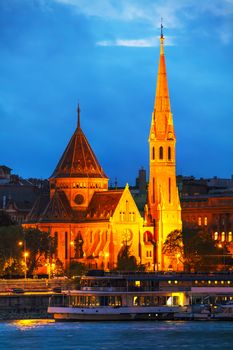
[
  {"x": 213, "y": 212},
  {"x": 92, "y": 223},
  {"x": 163, "y": 200}
]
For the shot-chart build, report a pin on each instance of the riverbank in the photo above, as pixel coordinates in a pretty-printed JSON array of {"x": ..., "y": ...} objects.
[
  {"x": 26, "y": 306},
  {"x": 29, "y": 298}
]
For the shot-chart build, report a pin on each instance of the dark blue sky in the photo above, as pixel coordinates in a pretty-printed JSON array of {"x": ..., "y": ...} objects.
[{"x": 104, "y": 54}]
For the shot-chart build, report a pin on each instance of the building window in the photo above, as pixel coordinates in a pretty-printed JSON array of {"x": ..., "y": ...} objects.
[
  {"x": 66, "y": 245},
  {"x": 229, "y": 236},
  {"x": 153, "y": 153},
  {"x": 205, "y": 221},
  {"x": 132, "y": 216},
  {"x": 216, "y": 236},
  {"x": 160, "y": 152},
  {"x": 169, "y": 153},
  {"x": 223, "y": 237},
  {"x": 122, "y": 215},
  {"x": 56, "y": 240},
  {"x": 79, "y": 246},
  {"x": 199, "y": 220},
  {"x": 169, "y": 189},
  {"x": 91, "y": 236},
  {"x": 147, "y": 237}
]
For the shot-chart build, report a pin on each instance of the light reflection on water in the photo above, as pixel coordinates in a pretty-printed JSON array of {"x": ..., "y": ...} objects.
[
  {"x": 46, "y": 334},
  {"x": 29, "y": 324}
]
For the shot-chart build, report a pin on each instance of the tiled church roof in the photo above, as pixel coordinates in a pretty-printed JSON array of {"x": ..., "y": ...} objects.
[
  {"x": 78, "y": 160},
  {"x": 58, "y": 209},
  {"x": 103, "y": 205}
]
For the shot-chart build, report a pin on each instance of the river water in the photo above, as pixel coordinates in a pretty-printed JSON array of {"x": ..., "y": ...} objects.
[{"x": 44, "y": 334}]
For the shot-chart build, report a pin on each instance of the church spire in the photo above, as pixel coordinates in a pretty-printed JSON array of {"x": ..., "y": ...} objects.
[
  {"x": 163, "y": 200},
  {"x": 162, "y": 101}
]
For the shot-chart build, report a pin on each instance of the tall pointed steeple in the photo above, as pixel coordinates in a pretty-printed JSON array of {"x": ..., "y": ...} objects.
[
  {"x": 163, "y": 199},
  {"x": 162, "y": 117}
]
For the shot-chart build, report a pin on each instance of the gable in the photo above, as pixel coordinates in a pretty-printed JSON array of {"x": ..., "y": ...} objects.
[{"x": 126, "y": 210}]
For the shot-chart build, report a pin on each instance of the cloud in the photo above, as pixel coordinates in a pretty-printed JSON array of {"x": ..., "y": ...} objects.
[
  {"x": 179, "y": 14},
  {"x": 147, "y": 42},
  {"x": 128, "y": 10}
]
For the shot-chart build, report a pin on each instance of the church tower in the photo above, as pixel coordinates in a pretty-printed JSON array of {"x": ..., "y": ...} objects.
[{"x": 163, "y": 199}]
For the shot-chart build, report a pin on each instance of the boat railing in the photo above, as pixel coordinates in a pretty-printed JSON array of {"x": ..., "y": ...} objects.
[{"x": 119, "y": 289}]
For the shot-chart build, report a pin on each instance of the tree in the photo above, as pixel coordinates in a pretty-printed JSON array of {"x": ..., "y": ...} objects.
[
  {"x": 201, "y": 251},
  {"x": 174, "y": 248},
  {"x": 38, "y": 244},
  {"x": 126, "y": 261},
  {"x": 173, "y": 244},
  {"x": 10, "y": 252},
  {"x": 76, "y": 269},
  {"x": 196, "y": 249}
]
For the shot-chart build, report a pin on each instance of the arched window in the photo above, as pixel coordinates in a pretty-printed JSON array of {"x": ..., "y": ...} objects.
[
  {"x": 79, "y": 246},
  {"x": 216, "y": 236},
  {"x": 153, "y": 190},
  {"x": 223, "y": 237},
  {"x": 66, "y": 245},
  {"x": 169, "y": 151},
  {"x": 148, "y": 237},
  {"x": 229, "y": 236},
  {"x": 56, "y": 241},
  {"x": 160, "y": 152},
  {"x": 153, "y": 153}
]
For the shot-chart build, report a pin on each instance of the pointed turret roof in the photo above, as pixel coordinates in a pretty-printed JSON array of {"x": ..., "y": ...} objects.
[{"x": 78, "y": 160}]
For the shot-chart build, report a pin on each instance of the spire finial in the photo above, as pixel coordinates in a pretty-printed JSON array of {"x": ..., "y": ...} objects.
[
  {"x": 161, "y": 34},
  {"x": 78, "y": 110},
  {"x": 161, "y": 38}
]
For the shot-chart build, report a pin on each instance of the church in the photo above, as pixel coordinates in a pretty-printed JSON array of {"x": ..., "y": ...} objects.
[{"x": 92, "y": 223}]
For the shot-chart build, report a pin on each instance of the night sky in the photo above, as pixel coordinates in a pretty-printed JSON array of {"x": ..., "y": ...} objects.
[{"x": 104, "y": 54}]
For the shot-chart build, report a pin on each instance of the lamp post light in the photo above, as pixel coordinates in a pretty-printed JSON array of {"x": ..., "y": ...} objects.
[
  {"x": 25, "y": 264},
  {"x": 25, "y": 255},
  {"x": 220, "y": 246}
]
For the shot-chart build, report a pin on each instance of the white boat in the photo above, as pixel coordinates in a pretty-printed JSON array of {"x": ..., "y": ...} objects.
[
  {"x": 141, "y": 297},
  {"x": 107, "y": 313}
]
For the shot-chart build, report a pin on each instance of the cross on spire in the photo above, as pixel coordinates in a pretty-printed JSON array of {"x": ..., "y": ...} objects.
[
  {"x": 78, "y": 110},
  {"x": 161, "y": 34}
]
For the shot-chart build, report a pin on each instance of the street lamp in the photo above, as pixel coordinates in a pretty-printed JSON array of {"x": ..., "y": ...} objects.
[
  {"x": 25, "y": 255},
  {"x": 220, "y": 246}
]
